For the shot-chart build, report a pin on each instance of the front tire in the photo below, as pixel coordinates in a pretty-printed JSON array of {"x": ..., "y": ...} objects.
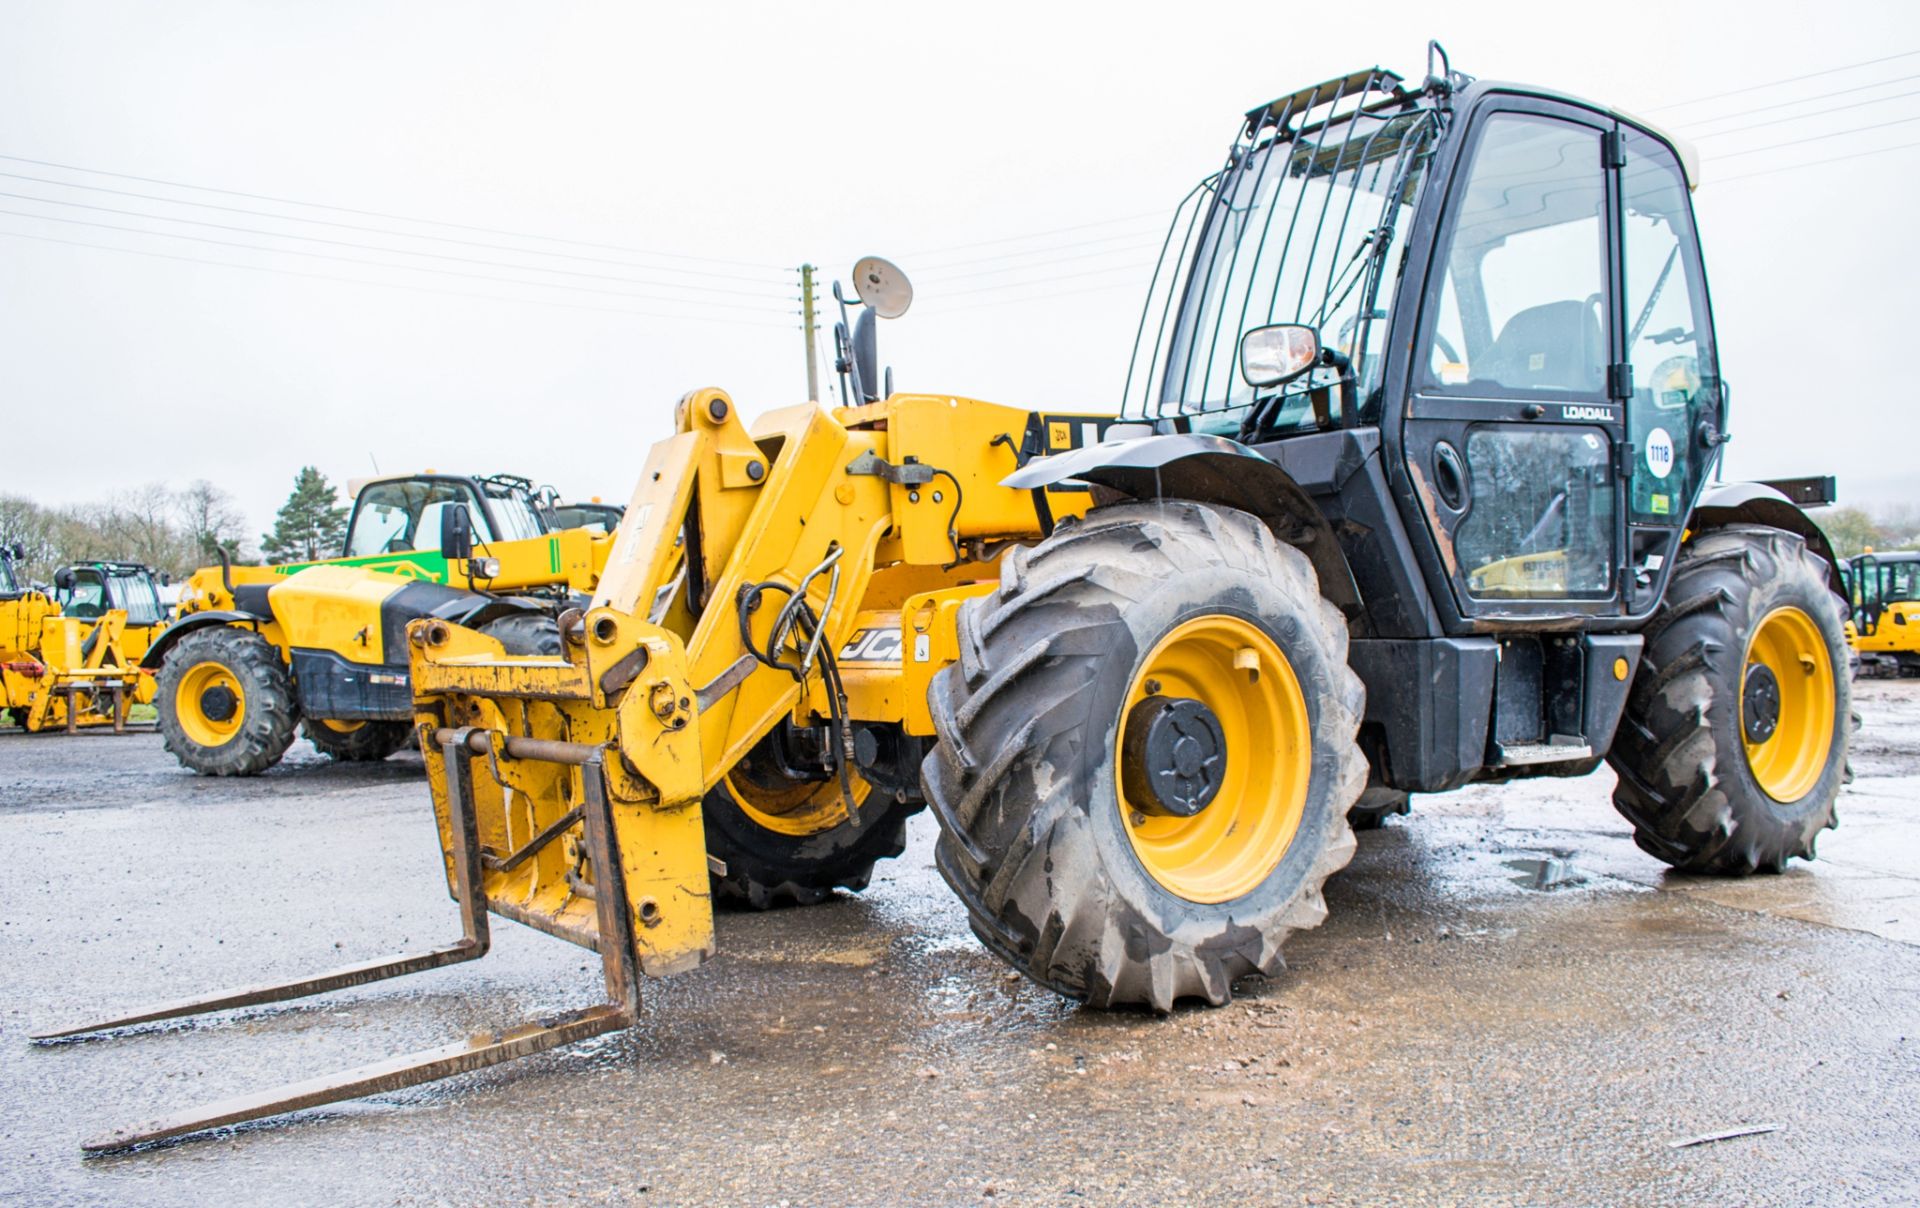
[
  {"x": 787, "y": 840},
  {"x": 1108, "y": 868},
  {"x": 1734, "y": 744},
  {"x": 226, "y": 702}
]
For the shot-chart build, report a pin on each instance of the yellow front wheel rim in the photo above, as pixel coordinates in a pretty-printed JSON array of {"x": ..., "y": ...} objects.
[
  {"x": 1787, "y": 704},
  {"x": 1234, "y": 843},
  {"x": 209, "y": 718},
  {"x": 341, "y": 727}
]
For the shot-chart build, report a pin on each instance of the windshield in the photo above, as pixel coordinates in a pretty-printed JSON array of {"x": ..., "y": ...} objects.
[
  {"x": 1302, "y": 228},
  {"x": 8, "y": 585},
  {"x": 514, "y": 511},
  {"x": 134, "y": 592}
]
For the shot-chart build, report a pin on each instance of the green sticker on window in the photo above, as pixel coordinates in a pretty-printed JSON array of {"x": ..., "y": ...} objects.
[{"x": 1658, "y": 505}]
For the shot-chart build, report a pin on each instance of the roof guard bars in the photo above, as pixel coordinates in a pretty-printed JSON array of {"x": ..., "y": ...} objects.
[{"x": 617, "y": 953}]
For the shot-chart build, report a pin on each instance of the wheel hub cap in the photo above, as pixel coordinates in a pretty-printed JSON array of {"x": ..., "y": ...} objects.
[
  {"x": 218, "y": 703},
  {"x": 1760, "y": 701},
  {"x": 1176, "y": 755}
]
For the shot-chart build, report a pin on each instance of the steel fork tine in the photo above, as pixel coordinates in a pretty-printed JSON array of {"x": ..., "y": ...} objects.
[
  {"x": 472, "y": 945},
  {"x": 617, "y": 956}
]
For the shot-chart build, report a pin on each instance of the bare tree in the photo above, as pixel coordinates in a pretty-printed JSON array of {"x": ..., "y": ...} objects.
[{"x": 213, "y": 522}]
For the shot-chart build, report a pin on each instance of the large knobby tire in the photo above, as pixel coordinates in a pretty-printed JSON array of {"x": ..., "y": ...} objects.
[
  {"x": 356, "y": 741},
  {"x": 790, "y": 842},
  {"x": 1734, "y": 743},
  {"x": 525, "y": 633},
  {"x": 1146, "y": 607},
  {"x": 226, "y": 702}
]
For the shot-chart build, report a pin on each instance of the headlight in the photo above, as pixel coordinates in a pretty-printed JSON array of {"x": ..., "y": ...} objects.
[{"x": 486, "y": 568}]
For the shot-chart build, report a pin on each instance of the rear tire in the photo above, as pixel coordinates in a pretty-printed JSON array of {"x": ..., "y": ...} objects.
[
  {"x": 367, "y": 742},
  {"x": 1702, "y": 793},
  {"x": 1063, "y": 874},
  {"x": 226, "y": 702}
]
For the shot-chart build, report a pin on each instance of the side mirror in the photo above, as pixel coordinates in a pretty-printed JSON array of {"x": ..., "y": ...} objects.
[
  {"x": 19, "y": 552},
  {"x": 63, "y": 579},
  {"x": 456, "y": 533},
  {"x": 1273, "y": 355}
]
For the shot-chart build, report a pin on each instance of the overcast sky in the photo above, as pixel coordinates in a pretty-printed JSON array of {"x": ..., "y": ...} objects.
[{"x": 1015, "y": 160}]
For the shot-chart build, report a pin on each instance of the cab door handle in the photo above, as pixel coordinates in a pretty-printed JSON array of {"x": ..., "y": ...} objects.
[{"x": 1450, "y": 476}]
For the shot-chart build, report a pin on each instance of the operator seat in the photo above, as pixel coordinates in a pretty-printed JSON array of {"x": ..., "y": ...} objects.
[{"x": 1555, "y": 346}]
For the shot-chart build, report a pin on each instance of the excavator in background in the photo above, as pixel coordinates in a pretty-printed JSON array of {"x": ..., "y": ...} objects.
[
  {"x": 258, "y": 652},
  {"x": 1885, "y": 595},
  {"x": 1411, "y": 489}
]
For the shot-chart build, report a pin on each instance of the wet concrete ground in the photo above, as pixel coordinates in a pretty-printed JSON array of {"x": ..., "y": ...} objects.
[{"x": 1453, "y": 1034}]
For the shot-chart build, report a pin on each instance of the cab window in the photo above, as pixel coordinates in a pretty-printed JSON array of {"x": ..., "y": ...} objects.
[
  {"x": 1522, "y": 303},
  {"x": 1669, "y": 333},
  {"x": 87, "y": 598},
  {"x": 398, "y": 517}
]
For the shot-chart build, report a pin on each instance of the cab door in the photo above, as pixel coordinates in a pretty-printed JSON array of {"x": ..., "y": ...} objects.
[{"x": 1514, "y": 422}]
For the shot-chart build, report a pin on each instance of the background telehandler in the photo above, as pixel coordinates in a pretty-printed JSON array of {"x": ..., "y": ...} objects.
[
  {"x": 259, "y": 651},
  {"x": 1411, "y": 491},
  {"x": 71, "y": 658}
]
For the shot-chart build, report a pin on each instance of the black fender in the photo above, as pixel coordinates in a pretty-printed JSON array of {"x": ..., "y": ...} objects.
[
  {"x": 193, "y": 622},
  {"x": 1207, "y": 469},
  {"x": 1758, "y": 503}
]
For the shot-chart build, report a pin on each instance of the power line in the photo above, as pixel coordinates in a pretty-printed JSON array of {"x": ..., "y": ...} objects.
[
  {"x": 453, "y": 226},
  {"x": 1015, "y": 301},
  {"x": 703, "y": 273},
  {"x": 1812, "y": 75},
  {"x": 409, "y": 268},
  {"x": 1805, "y": 100},
  {"x": 1798, "y": 117},
  {"x": 1819, "y": 138},
  {"x": 414, "y": 289},
  {"x": 1085, "y": 226},
  {"x": 981, "y": 289},
  {"x": 398, "y": 251},
  {"x": 1126, "y": 249},
  {"x": 1052, "y": 247},
  {"x": 1814, "y": 163}
]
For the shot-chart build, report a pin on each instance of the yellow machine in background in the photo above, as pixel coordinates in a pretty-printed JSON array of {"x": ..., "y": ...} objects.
[
  {"x": 68, "y": 670},
  {"x": 1886, "y": 612},
  {"x": 259, "y": 651}
]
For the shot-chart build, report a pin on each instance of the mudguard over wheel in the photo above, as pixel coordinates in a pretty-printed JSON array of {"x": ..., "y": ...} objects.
[
  {"x": 226, "y": 702},
  {"x": 787, "y": 840},
  {"x": 1734, "y": 743},
  {"x": 1147, "y": 754},
  {"x": 356, "y": 741}
]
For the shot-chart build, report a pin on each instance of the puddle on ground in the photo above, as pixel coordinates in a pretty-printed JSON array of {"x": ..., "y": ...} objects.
[{"x": 1545, "y": 872}]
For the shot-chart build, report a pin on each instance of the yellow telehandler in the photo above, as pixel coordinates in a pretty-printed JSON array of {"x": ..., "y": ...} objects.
[
  {"x": 1142, "y": 671},
  {"x": 259, "y": 652},
  {"x": 71, "y": 659}
]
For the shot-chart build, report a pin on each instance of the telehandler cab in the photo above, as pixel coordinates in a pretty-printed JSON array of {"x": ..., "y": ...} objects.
[
  {"x": 1410, "y": 491},
  {"x": 261, "y": 650}
]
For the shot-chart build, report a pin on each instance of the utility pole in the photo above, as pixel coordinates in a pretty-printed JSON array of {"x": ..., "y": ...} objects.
[{"x": 808, "y": 327}]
